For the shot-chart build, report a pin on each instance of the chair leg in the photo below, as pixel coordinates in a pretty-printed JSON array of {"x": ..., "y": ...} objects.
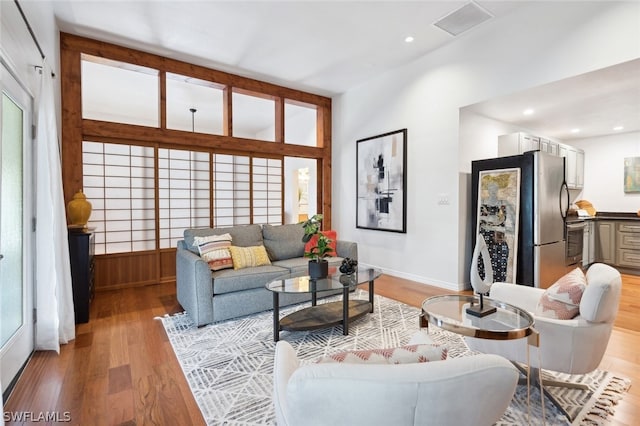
[
  {"x": 546, "y": 383},
  {"x": 558, "y": 383}
]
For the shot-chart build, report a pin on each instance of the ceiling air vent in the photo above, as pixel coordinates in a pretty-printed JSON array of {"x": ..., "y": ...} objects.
[{"x": 463, "y": 19}]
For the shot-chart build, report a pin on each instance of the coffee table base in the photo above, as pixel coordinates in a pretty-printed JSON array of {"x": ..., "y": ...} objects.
[{"x": 323, "y": 316}]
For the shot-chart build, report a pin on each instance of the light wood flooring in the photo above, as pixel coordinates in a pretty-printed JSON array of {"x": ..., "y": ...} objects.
[{"x": 121, "y": 369}]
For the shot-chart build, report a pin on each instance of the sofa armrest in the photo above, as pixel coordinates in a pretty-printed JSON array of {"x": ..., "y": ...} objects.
[
  {"x": 347, "y": 249},
  {"x": 194, "y": 288}
]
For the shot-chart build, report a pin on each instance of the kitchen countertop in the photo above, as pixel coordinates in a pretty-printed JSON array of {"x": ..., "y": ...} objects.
[{"x": 572, "y": 217}]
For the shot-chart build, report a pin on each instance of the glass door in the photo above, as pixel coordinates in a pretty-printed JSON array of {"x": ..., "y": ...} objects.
[{"x": 16, "y": 295}]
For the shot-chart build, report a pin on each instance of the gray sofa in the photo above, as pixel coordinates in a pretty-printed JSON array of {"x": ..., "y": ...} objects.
[{"x": 209, "y": 296}]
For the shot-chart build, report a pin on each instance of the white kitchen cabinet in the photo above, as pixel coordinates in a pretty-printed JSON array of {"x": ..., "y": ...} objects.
[
  {"x": 579, "y": 168},
  {"x": 521, "y": 142},
  {"x": 548, "y": 146},
  {"x": 574, "y": 165},
  {"x": 517, "y": 143}
]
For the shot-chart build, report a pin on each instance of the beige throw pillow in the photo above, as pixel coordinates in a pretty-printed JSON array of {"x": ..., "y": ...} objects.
[{"x": 247, "y": 257}]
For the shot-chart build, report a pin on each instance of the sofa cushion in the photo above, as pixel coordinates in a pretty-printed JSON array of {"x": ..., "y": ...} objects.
[
  {"x": 283, "y": 241},
  {"x": 249, "y": 257},
  {"x": 400, "y": 355},
  {"x": 231, "y": 280},
  {"x": 242, "y": 235},
  {"x": 214, "y": 250},
  {"x": 562, "y": 299},
  {"x": 331, "y": 234},
  {"x": 302, "y": 263}
]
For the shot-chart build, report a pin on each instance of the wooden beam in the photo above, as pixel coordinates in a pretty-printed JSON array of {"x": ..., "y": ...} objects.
[
  {"x": 150, "y": 60},
  {"x": 105, "y": 130},
  {"x": 70, "y": 83}
]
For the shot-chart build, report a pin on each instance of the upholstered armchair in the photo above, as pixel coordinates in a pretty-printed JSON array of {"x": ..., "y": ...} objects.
[
  {"x": 572, "y": 346},
  {"x": 475, "y": 389}
]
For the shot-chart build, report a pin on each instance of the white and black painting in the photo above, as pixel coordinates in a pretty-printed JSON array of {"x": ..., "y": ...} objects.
[{"x": 381, "y": 187}]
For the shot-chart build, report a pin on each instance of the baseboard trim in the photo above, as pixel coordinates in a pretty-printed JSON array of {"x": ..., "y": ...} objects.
[{"x": 417, "y": 278}]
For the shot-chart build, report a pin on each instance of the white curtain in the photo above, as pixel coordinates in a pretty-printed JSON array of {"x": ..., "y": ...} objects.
[
  {"x": 1, "y": 407},
  {"x": 54, "y": 297}
]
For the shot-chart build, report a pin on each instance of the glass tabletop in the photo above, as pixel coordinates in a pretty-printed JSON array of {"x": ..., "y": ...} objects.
[
  {"x": 449, "y": 312},
  {"x": 300, "y": 282}
]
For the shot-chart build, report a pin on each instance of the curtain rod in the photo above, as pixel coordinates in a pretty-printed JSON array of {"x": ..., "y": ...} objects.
[{"x": 33, "y": 35}]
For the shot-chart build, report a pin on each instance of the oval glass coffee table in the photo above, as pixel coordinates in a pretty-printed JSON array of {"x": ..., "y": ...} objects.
[
  {"x": 449, "y": 313},
  {"x": 326, "y": 314}
]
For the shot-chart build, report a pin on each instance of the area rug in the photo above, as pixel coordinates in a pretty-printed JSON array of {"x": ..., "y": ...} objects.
[{"x": 229, "y": 365}]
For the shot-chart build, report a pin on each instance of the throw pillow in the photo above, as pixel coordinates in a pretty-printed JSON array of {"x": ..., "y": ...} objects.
[
  {"x": 214, "y": 250},
  {"x": 247, "y": 257},
  {"x": 400, "y": 355},
  {"x": 562, "y": 299},
  {"x": 331, "y": 234}
]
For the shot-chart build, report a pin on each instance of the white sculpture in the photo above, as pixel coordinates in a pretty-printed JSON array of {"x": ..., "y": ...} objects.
[{"x": 481, "y": 286}]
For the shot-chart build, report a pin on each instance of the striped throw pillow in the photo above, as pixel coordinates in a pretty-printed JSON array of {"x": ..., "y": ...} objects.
[{"x": 214, "y": 250}]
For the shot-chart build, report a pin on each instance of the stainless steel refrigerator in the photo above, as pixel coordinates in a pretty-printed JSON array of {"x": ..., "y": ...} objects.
[{"x": 543, "y": 203}]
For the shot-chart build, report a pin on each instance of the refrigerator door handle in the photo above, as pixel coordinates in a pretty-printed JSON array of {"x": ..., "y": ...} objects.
[{"x": 564, "y": 210}]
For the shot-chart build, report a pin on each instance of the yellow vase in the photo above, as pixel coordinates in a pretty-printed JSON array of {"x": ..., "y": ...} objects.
[{"x": 79, "y": 209}]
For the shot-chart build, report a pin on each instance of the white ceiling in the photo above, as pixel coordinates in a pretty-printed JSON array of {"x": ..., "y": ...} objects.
[
  {"x": 329, "y": 47},
  {"x": 594, "y": 102},
  {"x": 325, "y": 47}
]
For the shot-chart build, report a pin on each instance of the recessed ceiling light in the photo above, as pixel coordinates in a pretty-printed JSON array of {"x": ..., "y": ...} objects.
[
  {"x": 618, "y": 128},
  {"x": 528, "y": 111},
  {"x": 575, "y": 130},
  {"x": 408, "y": 39}
]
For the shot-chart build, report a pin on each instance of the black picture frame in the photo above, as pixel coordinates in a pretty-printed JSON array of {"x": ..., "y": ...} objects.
[{"x": 381, "y": 182}]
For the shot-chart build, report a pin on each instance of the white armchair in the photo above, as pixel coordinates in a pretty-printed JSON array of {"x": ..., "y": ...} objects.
[
  {"x": 475, "y": 389},
  {"x": 574, "y": 346}
]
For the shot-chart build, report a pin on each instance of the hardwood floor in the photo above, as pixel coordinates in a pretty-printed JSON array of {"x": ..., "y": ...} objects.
[{"x": 121, "y": 369}]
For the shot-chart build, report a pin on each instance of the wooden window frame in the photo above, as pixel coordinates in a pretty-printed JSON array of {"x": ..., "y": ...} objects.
[{"x": 123, "y": 270}]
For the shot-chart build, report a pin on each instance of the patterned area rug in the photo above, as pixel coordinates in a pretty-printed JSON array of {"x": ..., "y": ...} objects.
[{"x": 229, "y": 365}]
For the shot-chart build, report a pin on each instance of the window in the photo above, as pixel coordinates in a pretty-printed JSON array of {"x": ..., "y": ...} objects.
[
  {"x": 254, "y": 117},
  {"x": 119, "y": 182},
  {"x": 119, "y": 92},
  {"x": 267, "y": 191},
  {"x": 205, "y": 97},
  {"x": 232, "y": 192},
  {"x": 183, "y": 193},
  {"x": 300, "y": 124}
]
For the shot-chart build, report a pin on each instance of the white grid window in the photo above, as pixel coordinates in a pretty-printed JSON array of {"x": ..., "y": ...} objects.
[
  {"x": 118, "y": 180},
  {"x": 267, "y": 191},
  {"x": 232, "y": 191},
  {"x": 183, "y": 193}
]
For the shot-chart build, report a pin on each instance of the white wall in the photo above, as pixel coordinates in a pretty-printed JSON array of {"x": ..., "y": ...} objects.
[
  {"x": 19, "y": 49},
  {"x": 537, "y": 44},
  {"x": 604, "y": 171}
]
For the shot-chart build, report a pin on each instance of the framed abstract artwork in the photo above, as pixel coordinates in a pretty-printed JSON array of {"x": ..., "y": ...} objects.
[
  {"x": 498, "y": 212},
  {"x": 381, "y": 170},
  {"x": 632, "y": 174}
]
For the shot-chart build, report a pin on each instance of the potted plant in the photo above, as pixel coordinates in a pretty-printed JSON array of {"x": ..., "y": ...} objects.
[{"x": 318, "y": 265}]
